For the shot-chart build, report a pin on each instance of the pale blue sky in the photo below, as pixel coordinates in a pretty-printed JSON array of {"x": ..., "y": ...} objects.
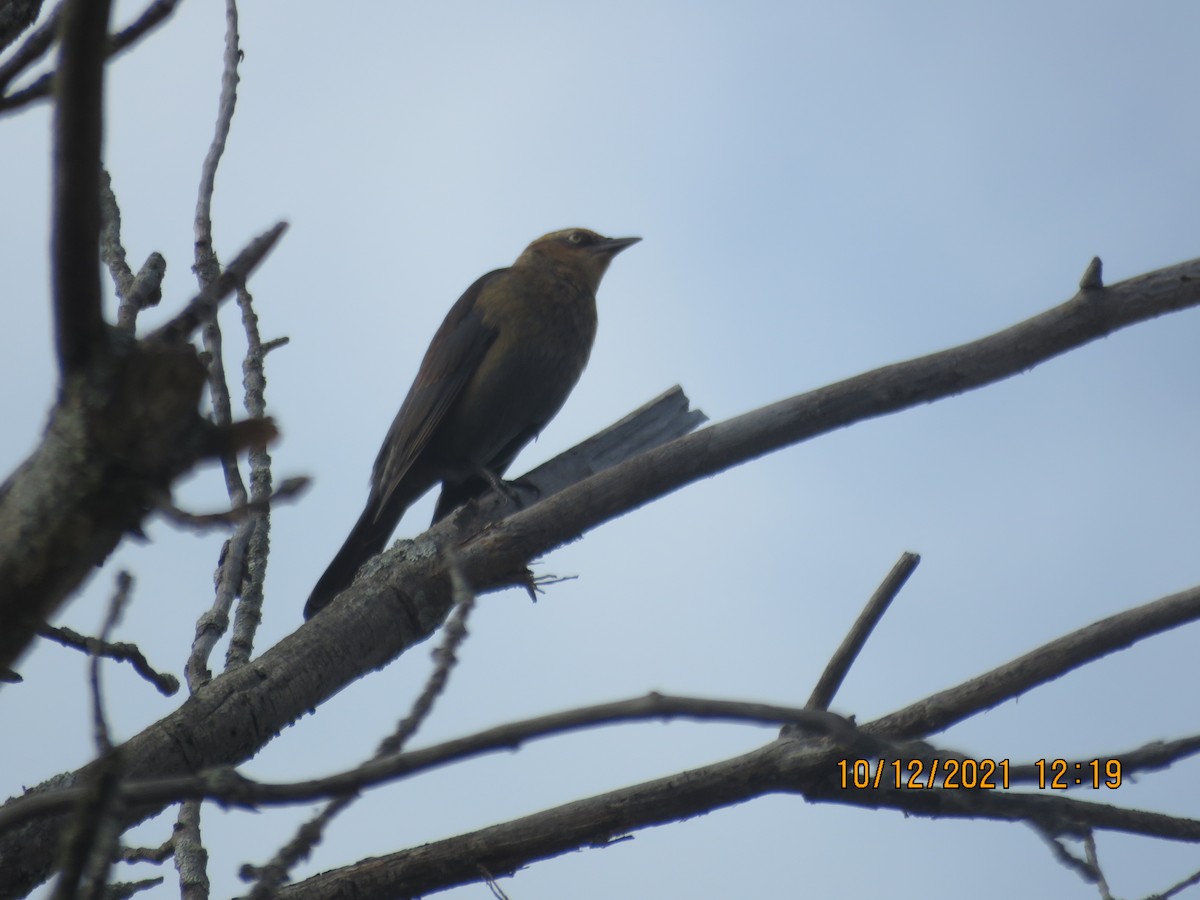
[{"x": 822, "y": 189}]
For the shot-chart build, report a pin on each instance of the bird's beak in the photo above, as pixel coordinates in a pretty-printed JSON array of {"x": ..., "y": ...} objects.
[{"x": 613, "y": 246}]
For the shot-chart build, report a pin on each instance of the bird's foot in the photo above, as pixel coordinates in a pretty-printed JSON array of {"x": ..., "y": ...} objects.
[{"x": 516, "y": 492}]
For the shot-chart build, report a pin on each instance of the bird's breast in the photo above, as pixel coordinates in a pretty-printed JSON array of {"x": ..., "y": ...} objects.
[{"x": 544, "y": 332}]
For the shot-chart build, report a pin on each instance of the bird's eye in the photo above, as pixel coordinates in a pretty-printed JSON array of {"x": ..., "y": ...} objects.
[{"x": 575, "y": 237}]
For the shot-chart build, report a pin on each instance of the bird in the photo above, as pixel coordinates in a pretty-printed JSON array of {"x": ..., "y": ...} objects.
[{"x": 498, "y": 369}]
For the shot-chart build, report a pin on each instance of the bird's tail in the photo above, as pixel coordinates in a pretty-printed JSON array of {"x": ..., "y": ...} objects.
[{"x": 367, "y": 538}]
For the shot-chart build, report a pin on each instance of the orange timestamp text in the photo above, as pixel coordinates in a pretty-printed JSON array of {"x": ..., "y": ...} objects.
[
  {"x": 918, "y": 774},
  {"x": 974, "y": 774}
]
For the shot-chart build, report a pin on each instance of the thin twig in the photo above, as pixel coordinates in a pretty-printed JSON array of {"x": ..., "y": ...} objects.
[
  {"x": 229, "y": 788},
  {"x": 1060, "y": 852},
  {"x": 1047, "y": 662},
  {"x": 166, "y": 684},
  {"x": 206, "y": 261},
  {"x": 835, "y": 672},
  {"x": 97, "y": 829},
  {"x": 15, "y": 17},
  {"x": 1181, "y": 886},
  {"x": 490, "y": 880},
  {"x": 204, "y": 304},
  {"x": 156, "y": 855},
  {"x": 289, "y": 489},
  {"x": 112, "y": 252},
  {"x": 37, "y": 43},
  {"x": 444, "y": 658},
  {"x": 214, "y": 622},
  {"x": 146, "y": 291},
  {"x": 121, "y": 890},
  {"x": 154, "y": 14},
  {"x": 207, "y": 266},
  {"x": 275, "y": 873},
  {"x": 1155, "y": 756},
  {"x": 88, "y": 845},
  {"x": 254, "y": 383},
  {"x": 1089, "y": 839},
  {"x": 116, "y": 606}
]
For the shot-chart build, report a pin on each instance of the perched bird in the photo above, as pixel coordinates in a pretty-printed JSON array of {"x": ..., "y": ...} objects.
[{"x": 499, "y": 368}]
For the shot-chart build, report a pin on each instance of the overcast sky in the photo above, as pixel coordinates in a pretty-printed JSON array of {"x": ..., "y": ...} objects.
[{"x": 822, "y": 189}]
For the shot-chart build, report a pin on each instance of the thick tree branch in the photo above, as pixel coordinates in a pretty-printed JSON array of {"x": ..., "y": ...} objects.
[
  {"x": 116, "y": 441},
  {"x": 78, "y": 126}
]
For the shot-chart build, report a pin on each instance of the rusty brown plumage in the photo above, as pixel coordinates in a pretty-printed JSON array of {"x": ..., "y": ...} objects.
[{"x": 498, "y": 369}]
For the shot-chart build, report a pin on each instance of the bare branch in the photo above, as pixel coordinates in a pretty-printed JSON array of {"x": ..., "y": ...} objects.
[
  {"x": 289, "y": 489},
  {"x": 206, "y": 261},
  {"x": 1089, "y": 841},
  {"x": 254, "y": 382},
  {"x": 835, "y": 672},
  {"x": 115, "y": 441},
  {"x": 204, "y": 305},
  {"x": 156, "y": 855},
  {"x": 135, "y": 293},
  {"x": 120, "y": 890},
  {"x": 231, "y": 789},
  {"x": 191, "y": 857},
  {"x": 116, "y": 606},
  {"x": 214, "y": 622},
  {"x": 154, "y": 14},
  {"x": 276, "y": 872},
  {"x": 1046, "y": 663},
  {"x": 232, "y": 571},
  {"x": 166, "y": 684},
  {"x": 78, "y": 118},
  {"x": 146, "y": 291},
  {"x": 1179, "y": 888},
  {"x": 785, "y": 765},
  {"x": 90, "y": 840},
  {"x": 1068, "y": 859},
  {"x": 91, "y": 843},
  {"x": 112, "y": 252},
  {"x": 15, "y": 17},
  {"x": 1152, "y": 757}
]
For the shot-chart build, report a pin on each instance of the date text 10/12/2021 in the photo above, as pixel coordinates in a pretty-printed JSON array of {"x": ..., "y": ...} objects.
[{"x": 976, "y": 774}]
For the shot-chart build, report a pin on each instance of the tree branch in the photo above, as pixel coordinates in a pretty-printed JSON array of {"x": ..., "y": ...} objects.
[
  {"x": 831, "y": 679},
  {"x": 121, "y": 652},
  {"x": 231, "y": 789},
  {"x": 802, "y": 767},
  {"x": 152, "y": 16},
  {"x": 1046, "y": 663},
  {"x": 74, "y": 245},
  {"x": 15, "y": 19},
  {"x": 115, "y": 443}
]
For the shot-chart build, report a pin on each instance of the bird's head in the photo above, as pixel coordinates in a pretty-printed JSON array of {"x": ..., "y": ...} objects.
[{"x": 578, "y": 252}]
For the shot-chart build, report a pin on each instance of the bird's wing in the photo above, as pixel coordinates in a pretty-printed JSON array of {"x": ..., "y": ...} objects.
[{"x": 452, "y": 358}]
